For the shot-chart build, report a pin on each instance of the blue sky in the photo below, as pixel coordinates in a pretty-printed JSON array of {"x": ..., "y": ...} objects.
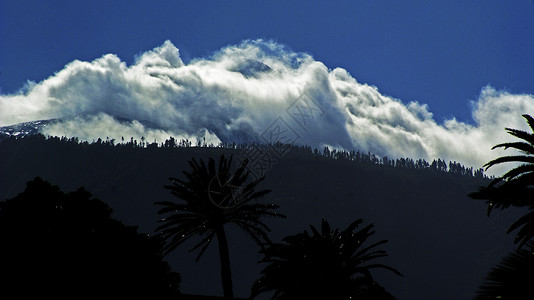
[
  {"x": 419, "y": 79},
  {"x": 229, "y": 70},
  {"x": 441, "y": 53}
]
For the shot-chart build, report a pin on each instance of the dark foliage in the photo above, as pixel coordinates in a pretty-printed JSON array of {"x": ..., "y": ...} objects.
[
  {"x": 211, "y": 197},
  {"x": 515, "y": 187},
  {"x": 524, "y": 173},
  {"x": 66, "y": 245},
  {"x": 505, "y": 196},
  {"x": 413, "y": 205},
  {"x": 512, "y": 279},
  {"x": 326, "y": 264},
  {"x": 437, "y": 165}
]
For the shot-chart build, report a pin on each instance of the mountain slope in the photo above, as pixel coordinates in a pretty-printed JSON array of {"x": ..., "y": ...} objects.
[
  {"x": 441, "y": 240},
  {"x": 24, "y": 129}
]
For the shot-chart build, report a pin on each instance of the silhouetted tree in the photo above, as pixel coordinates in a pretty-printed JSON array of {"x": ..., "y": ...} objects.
[
  {"x": 512, "y": 278},
  {"x": 525, "y": 172},
  {"x": 515, "y": 187},
  {"x": 211, "y": 197},
  {"x": 328, "y": 264},
  {"x": 66, "y": 245}
]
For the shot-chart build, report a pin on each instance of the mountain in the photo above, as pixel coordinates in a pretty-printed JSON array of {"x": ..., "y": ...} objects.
[
  {"x": 24, "y": 129},
  {"x": 440, "y": 239},
  {"x": 37, "y": 127}
]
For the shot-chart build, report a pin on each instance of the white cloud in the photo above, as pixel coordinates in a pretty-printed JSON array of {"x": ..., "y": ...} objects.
[
  {"x": 238, "y": 92},
  {"x": 103, "y": 126}
]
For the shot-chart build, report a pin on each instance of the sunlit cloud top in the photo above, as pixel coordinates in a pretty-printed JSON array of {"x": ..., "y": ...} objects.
[{"x": 239, "y": 92}]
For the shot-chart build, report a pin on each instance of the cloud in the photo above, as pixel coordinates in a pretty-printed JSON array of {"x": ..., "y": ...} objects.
[
  {"x": 242, "y": 92},
  {"x": 92, "y": 127}
]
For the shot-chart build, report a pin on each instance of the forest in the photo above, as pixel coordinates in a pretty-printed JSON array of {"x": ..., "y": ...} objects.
[{"x": 287, "y": 221}]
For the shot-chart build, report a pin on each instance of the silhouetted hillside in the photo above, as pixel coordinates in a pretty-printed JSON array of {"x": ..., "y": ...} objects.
[{"x": 440, "y": 239}]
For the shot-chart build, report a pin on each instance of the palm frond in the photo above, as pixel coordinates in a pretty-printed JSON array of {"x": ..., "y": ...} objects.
[
  {"x": 382, "y": 266},
  {"x": 530, "y": 121},
  {"x": 200, "y": 211},
  {"x": 515, "y": 187},
  {"x": 527, "y": 230},
  {"x": 504, "y": 159},
  {"x": 511, "y": 278},
  {"x": 521, "y": 146},
  {"x": 521, "y": 134},
  {"x": 320, "y": 262},
  {"x": 366, "y": 249},
  {"x": 517, "y": 172},
  {"x": 204, "y": 243}
]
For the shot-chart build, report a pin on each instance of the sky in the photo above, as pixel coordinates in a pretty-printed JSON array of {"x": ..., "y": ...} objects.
[
  {"x": 420, "y": 79},
  {"x": 423, "y": 79}
]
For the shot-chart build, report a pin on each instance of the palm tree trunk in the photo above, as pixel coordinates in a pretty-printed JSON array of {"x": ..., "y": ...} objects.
[{"x": 226, "y": 273}]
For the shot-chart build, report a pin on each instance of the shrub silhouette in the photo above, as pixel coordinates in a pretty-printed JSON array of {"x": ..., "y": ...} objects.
[
  {"x": 67, "y": 245},
  {"x": 326, "y": 264}
]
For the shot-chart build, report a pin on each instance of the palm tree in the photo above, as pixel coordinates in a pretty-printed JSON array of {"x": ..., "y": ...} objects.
[
  {"x": 514, "y": 188},
  {"x": 512, "y": 278},
  {"x": 328, "y": 264},
  {"x": 525, "y": 172},
  {"x": 211, "y": 197}
]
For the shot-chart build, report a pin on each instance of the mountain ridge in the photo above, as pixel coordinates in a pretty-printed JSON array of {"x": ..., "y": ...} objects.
[{"x": 441, "y": 240}]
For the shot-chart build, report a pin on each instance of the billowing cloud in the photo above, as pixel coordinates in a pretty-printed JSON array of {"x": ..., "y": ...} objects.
[{"x": 244, "y": 92}]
